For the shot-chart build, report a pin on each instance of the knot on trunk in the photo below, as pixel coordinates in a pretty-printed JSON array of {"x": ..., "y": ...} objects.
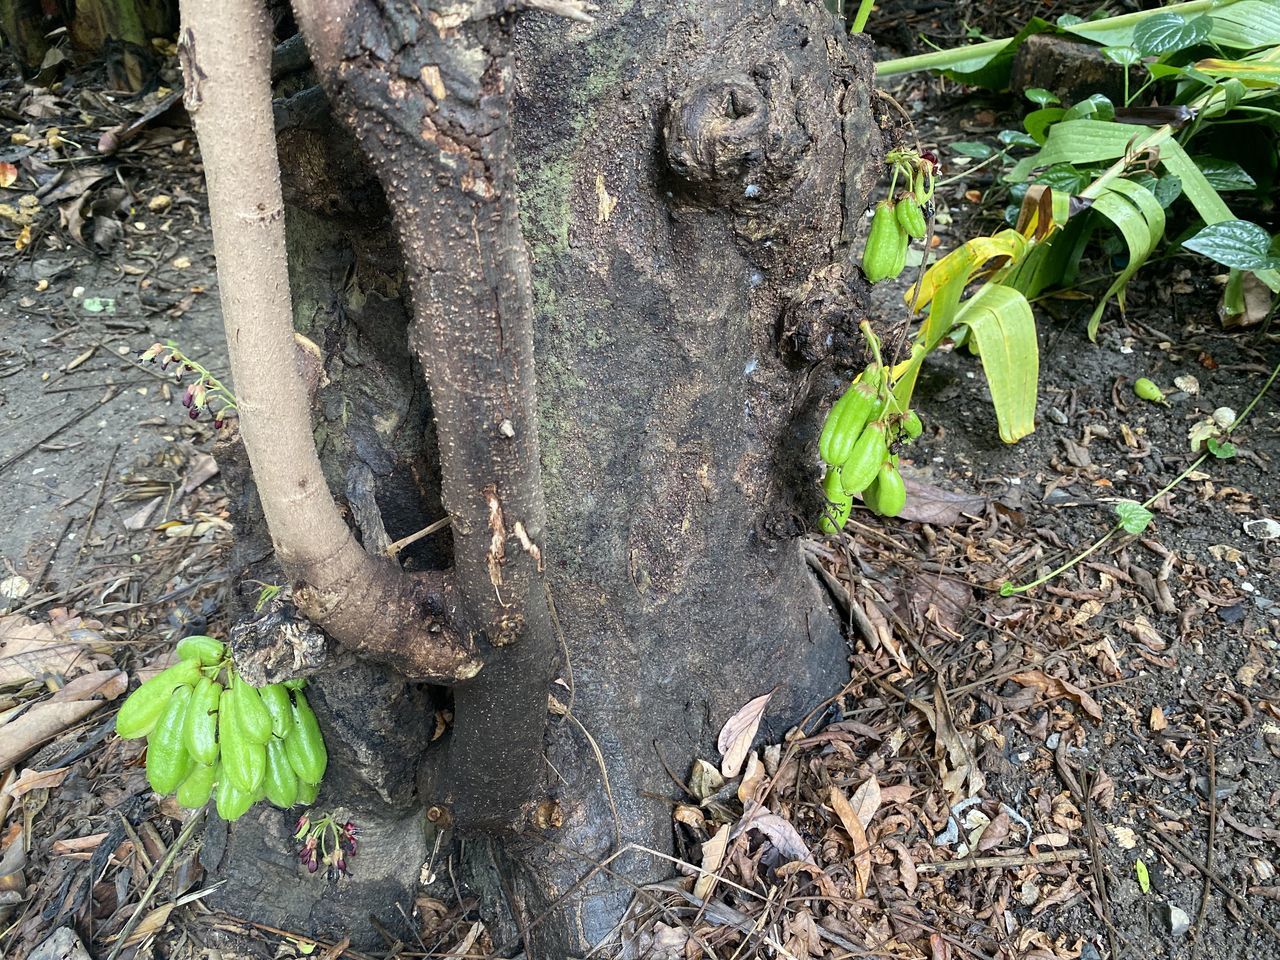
[
  {"x": 735, "y": 140},
  {"x": 277, "y": 645}
]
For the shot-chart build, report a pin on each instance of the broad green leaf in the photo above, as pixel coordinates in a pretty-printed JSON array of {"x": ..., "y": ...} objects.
[
  {"x": 1224, "y": 174},
  {"x": 1126, "y": 56},
  {"x": 1041, "y": 96},
  {"x": 1234, "y": 243},
  {"x": 1222, "y": 449},
  {"x": 1264, "y": 73},
  {"x": 1016, "y": 138},
  {"x": 972, "y": 148},
  {"x": 1037, "y": 122},
  {"x": 1003, "y": 329},
  {"x": 1138, "y": 216},
  {"x": 992, "y": 69},
  {"x": 1167, "y": 32},
  {"x": 1246, "y": 24},
  {"x": 1078, "y": 142},
  {"x": 1096, "y": 106},
  {"x": 1133, "y": 518},
  {"x": 1065, "y": 177}
]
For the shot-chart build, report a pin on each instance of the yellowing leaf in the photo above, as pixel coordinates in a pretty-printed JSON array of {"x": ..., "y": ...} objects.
[{"x": 1004, "y": 331}]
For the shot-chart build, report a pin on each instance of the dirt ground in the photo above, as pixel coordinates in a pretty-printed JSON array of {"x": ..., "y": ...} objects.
[{"x": 987, "y": 785}]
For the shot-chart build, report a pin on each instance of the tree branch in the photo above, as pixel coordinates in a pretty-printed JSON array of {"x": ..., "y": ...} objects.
[
  {"x": 427, "y": 90},
  {"x": 368, "y": 604}
]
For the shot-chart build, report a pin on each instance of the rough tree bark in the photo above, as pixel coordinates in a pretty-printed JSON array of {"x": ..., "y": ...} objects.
[{"x": 687, "y": 182}]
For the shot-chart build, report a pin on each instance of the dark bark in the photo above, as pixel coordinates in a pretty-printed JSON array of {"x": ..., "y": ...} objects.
[{"x": 688, "y": 184}]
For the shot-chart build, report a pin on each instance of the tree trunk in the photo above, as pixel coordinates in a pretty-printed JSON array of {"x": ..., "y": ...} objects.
[{"x": 689, "y": 181}]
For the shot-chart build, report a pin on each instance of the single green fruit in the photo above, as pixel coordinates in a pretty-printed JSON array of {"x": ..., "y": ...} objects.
[
  {"x": 144, "y": 707},
  {"x": 902, "y": 241},
  {"x": 304, "y": 745},
  {"x": 205, "y": 650},
  {"x": 911, "y": 425},
  {"x": 168, "y": 762},
  {"x": 1147, "y": 390},
  {"x": 865, "y": 460},
  {"x": 839, "y": 504},
  {"x": 233, "y": 802},
  {"x": 200, "y": 729},
  {"x": 307, "y": 793},
  {"x": 251, "y": 714},
  {"x": 281, "y": 783},
  {"x": 275, "y": 697},
  {"x": 195, "y": 790},
  {"x": 244, "y": 761},
  {"x": 910, "y": 216},
  {"x": 845, "y": 422},
  {"x": 891, "y": 491},
  {"x": 881, "y": 250}
]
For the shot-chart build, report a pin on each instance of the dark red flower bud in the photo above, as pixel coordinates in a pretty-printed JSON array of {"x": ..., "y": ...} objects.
[{"x": 193, "y": 413}]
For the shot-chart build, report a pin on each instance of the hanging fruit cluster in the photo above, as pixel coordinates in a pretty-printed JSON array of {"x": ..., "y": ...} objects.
[
  {"x": 205, "y": 735},
  {"x": 857, "y": 443},
  {"x": 900, "y": 218}
]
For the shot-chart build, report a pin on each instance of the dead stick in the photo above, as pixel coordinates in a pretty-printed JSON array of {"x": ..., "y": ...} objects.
[
  {"x": 1013, "y": 860},
  {"x": 1214, "y": 877}
]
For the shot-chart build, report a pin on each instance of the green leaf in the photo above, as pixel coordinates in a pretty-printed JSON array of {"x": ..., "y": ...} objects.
[
  {"x": 1234, "y": 243},
  {"x": 1016, "y": 138},
  {"x": 972, "y": 148},
  {"x": 1078, "y": 142},
  {"x": 1125, "y": 56},
  {"x": 992, "y": 70},
  {"x": 1222, "y": 449},
  {"x": 1003, "y": 329},
  {"x": 1224, "y": 174},
  {"x": 1167, "y": 32},
  {"x": 1069, "y": 20},
  {"x": 1041, "y": 96},
  {"x": 1096, "y": 106},
  {"x": 1144, "y": 876},
  {"x": 1138, "y": 216},
  {"x": 1247, "y": 24},
  {"x": 1038, "y": 122},
  {"x": 1065, "y": 177},
  {"x": 1133, "y": 518}
]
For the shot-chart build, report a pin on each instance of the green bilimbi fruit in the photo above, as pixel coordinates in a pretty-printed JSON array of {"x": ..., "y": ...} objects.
[
  {"x": 144, "y": 707},
  {"x": 848, "y": 416},
  {"x": 281, "y": 783},
  {"x": 839, "y": 503},
  {"x": 195, "y": 790},
  {"x": 200, "y": 728},
  {"x": 307, "y": 792},
  {"x": 304, "y": 746},
  {"x": 244, "y": 761},
  {"x": 865, "y": 460},
  {"x": 903, "y": 242},
  {"x": 1147, "y": 390},
  {"x": 922, "y": 183},
  {"x": 910, "y": 216},
  {"x": 233, "y": 802},
  {"x": 168, "y": 762},
  {"x": 882, "y": 244},
  {"x": 251, "y": 714},
  {"x": 911, "y": 425},
  {"x": 275, "y": 697},
  {"x": 205, "y": 650},
  {"x": 890, "y": 491}
]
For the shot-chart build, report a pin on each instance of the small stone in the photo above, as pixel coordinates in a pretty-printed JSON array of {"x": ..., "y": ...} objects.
[
  {"x": 1179, "y": 922},
  {"x": 1262, "y": 529},
  {"x": 1057, "y": 416}
]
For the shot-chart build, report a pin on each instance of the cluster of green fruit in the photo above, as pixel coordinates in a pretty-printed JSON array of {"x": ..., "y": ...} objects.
[
  {"x": 899, "y": 220},
  {"x": 246, "y": 742},
  {"x": 856, "y": 444}
]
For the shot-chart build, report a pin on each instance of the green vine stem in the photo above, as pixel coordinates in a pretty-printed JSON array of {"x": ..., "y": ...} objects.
[
  {"x": 860, "y": 18},
  {"x": 1007, "y": 589}
]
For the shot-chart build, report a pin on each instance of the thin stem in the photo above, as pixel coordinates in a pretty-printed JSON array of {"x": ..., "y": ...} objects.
[
  {"x": 969, "y": 170},
  {"x": 860, "y": 18}
]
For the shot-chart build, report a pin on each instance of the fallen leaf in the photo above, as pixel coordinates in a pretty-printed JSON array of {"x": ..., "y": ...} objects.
[
  {"x": 786, "y": 839},
  {"x": 35, "y": 651},
  {"x": 1157, "y": 721},
  {"x": 866, "y": 801},
  {"x": 942, "y": 508},
  {"x": 712, "y": 858},
  {"x": 44, "y": 721},
  {"x": 8, "y": 175},
  {"x": 737, "y": 734},
  {"x": 1054, "y": 687},
  {"x": 36, "y": 780},
  {"x": 857, "y": 834}
]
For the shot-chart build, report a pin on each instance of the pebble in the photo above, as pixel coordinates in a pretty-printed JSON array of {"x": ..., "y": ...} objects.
[
  {"x": 1057, "y": 416},
  {"x": 1179, "y": 922}
]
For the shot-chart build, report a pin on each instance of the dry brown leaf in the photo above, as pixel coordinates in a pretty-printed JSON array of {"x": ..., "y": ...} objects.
[
  {"x": 151, "y": 924},
  {"x": 1053, "y": 687},
  {"x": 34, "y": 651},
  {"x": 1157, "y": 721},
  {"x": 737, "y": 734},
  {"x": 751, "y": 779},
  {"x": 44, "y": 721},
  {"x": 712, "y": 859},
  {"x": 866, "y": 801},
  {"x": 929, "y": 504},
  {"x": 786, "y": 839},
  {"x": 857, "y": 834},
  {"x": 36, "y": 780}
]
